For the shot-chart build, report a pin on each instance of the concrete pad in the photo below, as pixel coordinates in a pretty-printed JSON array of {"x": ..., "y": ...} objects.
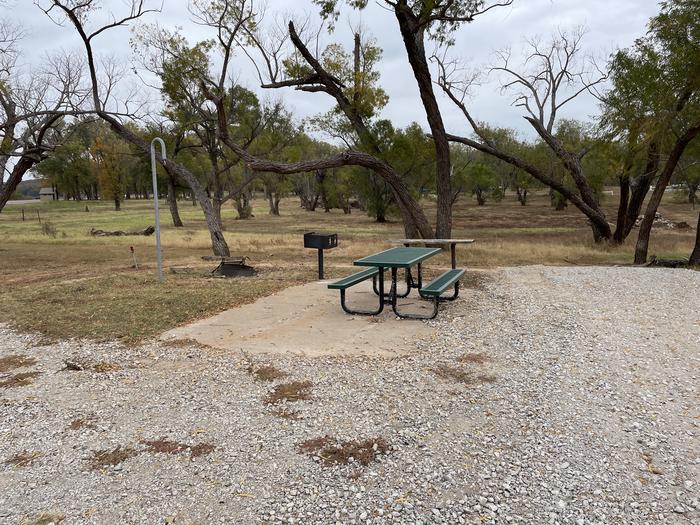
[{"x": 308, "y": 320}]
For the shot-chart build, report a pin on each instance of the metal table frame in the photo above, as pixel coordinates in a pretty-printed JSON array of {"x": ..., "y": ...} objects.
[{"x": 394, "y": 259}]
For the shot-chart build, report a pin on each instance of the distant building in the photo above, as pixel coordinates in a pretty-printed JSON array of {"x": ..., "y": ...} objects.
[{"x": 47, "y": 194}]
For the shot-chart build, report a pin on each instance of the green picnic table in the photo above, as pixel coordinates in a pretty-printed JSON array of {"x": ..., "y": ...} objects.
[{"x": 393, "y": 260}]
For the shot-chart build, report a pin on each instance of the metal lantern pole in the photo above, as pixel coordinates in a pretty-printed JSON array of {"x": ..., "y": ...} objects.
[{"x": 155, "y": 200}]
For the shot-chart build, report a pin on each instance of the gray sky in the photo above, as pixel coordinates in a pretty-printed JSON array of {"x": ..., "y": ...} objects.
[{"x": 611, "y": 24}]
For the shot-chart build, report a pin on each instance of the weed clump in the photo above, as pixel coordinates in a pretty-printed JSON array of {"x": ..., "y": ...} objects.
[
  {"x": 290, "y": 392},
  {"x": 474, "y": 357},
  {"x": 165, "y": 446},
  {"x": 331, "y": 452},
  {"x": 457, "y": 375},
  {"x": 11, "y": 362},
  {"x": 83, "y": 422},
  {"x": 23, "y": 459},
  {"x": 110, "y": 458},
  {"x": 49, "y": 229},
  {"x": 266, "y": 373},
  {"x": 21, "y": 379}
]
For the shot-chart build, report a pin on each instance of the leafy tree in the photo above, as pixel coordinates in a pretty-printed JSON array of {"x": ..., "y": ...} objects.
[
  {"x": 656, "y": 98},
  {"x": 112, "y": 162}
]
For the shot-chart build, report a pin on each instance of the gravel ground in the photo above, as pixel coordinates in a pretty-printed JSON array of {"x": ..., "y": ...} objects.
[{"x": 550, "y": 395}]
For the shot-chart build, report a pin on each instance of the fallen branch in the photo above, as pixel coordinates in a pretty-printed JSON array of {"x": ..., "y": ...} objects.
[{"x": 119, "y": 233}]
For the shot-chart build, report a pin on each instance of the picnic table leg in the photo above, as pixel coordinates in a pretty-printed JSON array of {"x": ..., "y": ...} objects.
[
  {"x": 394, "y": 307},
  {"x": 453, "y": 252},
  {"x": 382, "y": 300}
]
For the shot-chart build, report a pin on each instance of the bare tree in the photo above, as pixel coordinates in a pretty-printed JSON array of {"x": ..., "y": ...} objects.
[
  {"x": 552, "y": 75},
  {"x": 417, "y": 22},
  {"x": 33, "y": 105},
  {"x": 78, "y": 12}
]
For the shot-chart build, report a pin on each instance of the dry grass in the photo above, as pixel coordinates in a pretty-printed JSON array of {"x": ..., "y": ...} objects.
[
  {"x": 474, "y": 357},
  {"x": 43, "y": 518},
  {"x": 286, "y": 413},
  {"x": 165, "y": 446},
  {"x": 23, "y": 459},
  {"x": 185, "y": 343},
  {"x": 17, "y": 380},
  {"x": 11, "y": 362},
  {"x": 333, "y": 452},
  {"x": 76, "y": 285},
  {"x": 109, "y": 458},
  {"x": 458, "y": 375},
  {"x": 290, "y": 392},
  {"x": 649, "y": 460},
  {"x": 104, "y": 367},
  {"x": 202, "y": 449},
  {"x": 266, "y": 373},
  {"x": 83, "y": 422}
]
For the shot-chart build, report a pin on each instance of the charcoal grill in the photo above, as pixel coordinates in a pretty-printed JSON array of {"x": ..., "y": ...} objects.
[{"x": 320, "y": 242}]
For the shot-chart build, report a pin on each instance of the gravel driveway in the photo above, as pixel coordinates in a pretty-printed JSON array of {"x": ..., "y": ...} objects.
[{"x": 546, "y": 395}]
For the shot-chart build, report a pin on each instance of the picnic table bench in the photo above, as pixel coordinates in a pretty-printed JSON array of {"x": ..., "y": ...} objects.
[{"x": 392, "y": 260}]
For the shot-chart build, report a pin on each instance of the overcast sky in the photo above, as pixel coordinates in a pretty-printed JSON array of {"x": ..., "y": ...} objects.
[{"x": 611, "y": 24}]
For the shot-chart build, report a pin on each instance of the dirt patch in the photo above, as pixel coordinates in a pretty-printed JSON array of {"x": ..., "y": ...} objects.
[
  {"x": 165, "y": 446},
  {"x": 476, "y": 280},
  {"x": 11, "y": 362},
  {"x": 331, "y": 452},
  {"x": 266, "y": 373},
  {"x": 458, "y": 375},
  {"x": 21, "y": 379},
  {"x": 290, "y": 392},
  {"x": 109, "y": 458},
  {"x": 23, "y": 459},
  {"x": 474, "y": 357}
]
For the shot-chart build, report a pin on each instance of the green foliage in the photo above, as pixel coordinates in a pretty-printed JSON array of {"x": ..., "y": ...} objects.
[
  {"x": 441, "y": 18},
  {"x": 656, "y": 82},
  {"x": 361, "y": 88}
]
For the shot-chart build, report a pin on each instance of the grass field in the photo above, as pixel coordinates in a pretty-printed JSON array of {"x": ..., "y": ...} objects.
[{"x": 77, "y": 285}]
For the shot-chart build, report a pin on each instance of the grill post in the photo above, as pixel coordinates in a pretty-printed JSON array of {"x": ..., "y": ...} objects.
[
  {"x": 320, "y": 242},
  {"x": 320, "y": 264}
]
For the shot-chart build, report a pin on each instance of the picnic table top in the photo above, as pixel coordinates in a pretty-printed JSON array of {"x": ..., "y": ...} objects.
[
  {"x": 432, "y": 241},
  {"x": 398, "y": 257}
]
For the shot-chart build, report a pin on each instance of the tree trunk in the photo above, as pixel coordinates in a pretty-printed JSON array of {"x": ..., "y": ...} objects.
[
  {"x": 522, "y": 195},
  {"x": 642, "y": 248},
  {"x": 480, "y": 200},
  {"x": 695, "y": 256},
  {"x": 623, "y": 206},
  {"x": 117, "y": 204},
  {"x": 243, "y": 206},
  {"x": 273, "y": 202},
  {"x": 10, "y": 186},
  {"x": 172, "y": 202},
  {"x": 413, "y": 37},
  {"x": 216, "y": 205},
  {"x": 639, "y": 190},
  {"x": 218, "y": 242}
]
